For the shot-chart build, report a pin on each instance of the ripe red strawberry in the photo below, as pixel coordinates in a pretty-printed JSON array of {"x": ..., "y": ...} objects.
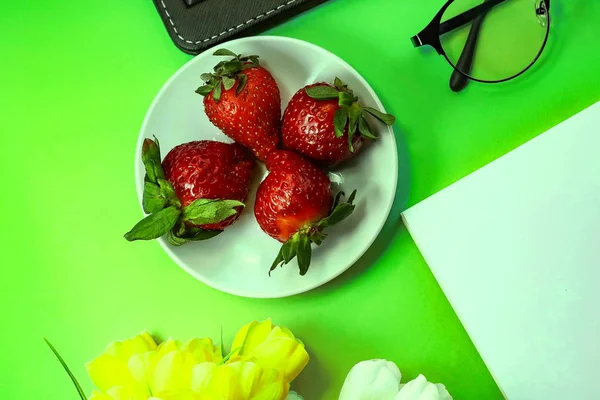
[
  {"x": 327, "y": 124},
  {"x": 294, "y": 204},
  {"x": 197, "y": 192},
  {"x": 242, "y": 99}
]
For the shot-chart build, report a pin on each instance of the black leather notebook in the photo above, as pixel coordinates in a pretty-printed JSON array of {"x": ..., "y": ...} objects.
[{"x": 195, "y": 25}]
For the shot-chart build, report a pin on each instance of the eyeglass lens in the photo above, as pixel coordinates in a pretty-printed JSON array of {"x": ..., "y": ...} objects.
[{"x": 506, "y": 36}]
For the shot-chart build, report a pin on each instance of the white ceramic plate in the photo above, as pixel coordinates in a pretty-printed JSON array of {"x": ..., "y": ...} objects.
[{"x": 238, "y": 260}]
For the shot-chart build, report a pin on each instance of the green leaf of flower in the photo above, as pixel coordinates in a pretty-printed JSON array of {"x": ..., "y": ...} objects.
[
  {"x": 66, "y": 367},
  {"x": 222, "y": 342}
]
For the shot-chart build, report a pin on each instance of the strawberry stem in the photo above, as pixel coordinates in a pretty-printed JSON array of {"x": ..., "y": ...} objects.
[
  {"x": 227, "y": 73},
  {"x": 166, "y": 216},
  {"x": 299, "y": 245},
  {"x": 350, "y": 115}
]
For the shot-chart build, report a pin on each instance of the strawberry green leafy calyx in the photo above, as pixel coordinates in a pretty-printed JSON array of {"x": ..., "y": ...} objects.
[
  {"x": 227, "y": 73},
  {"x": 350, "y": 114},
  {"x": 167, "y": 215},
  {"x": 299, "y": 245}
]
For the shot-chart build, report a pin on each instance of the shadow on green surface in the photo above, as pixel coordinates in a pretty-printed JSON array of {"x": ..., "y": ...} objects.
[
  {"x": 391, "y": 225},
  {"x": 312, "y": 382}
]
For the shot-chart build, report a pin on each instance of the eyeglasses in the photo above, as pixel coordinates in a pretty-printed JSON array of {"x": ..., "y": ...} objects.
[{"x": 488, "y": 41}]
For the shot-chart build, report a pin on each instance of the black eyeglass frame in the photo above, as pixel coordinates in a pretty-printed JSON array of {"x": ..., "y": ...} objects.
[{"x": 430, "y": 35}]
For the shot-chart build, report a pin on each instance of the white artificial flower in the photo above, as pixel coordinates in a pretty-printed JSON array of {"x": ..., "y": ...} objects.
[
  {"x": 293, "y": 396},
  {"x": 372, "y": 380},
  {"x": 380, "y": 380},
  {"x": 420, "y": 389}
]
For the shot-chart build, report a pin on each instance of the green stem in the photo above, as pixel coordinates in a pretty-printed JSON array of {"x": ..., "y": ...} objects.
[{"x": 66, "y": 367}]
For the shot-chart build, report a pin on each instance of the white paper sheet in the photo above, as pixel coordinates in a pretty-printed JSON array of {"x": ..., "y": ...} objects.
[{"x": 515, "y": 247}]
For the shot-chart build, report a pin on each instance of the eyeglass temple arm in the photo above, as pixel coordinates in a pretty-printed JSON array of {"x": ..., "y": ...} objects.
[
  {"x": 468, "y": 16},
  {"x": 457, "y": 21},
  {"x": 458, "y": 80}
]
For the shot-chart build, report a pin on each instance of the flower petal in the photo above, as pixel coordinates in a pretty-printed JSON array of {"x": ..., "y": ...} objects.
[
  {"x": 282, "y": 353},
  {"x": 142, "y": 366},
  {"x": 293, "y": 396},
  {"x": 273, "y": 391},
  {"x": 222, "y": 383},
  {"x": 110, "y": 369},
  {"x": 126, "y": 393},
  {"x": 203, "y": 350},
  {"x": 279, "y": 331},
  {"x": 107, "y": 371},
  {"x": 238, "y": 381},
  {"x": 201, "y": 375},
  {"x": 420, "y": 389},
  {"x": 136, "y": 345},
  {"x": 276, "y": 387},
  {"x": 250, "y": 336},
  {"x": 167, "y": 346},
  {"x": 185, "y": 395},
  {"x": 372, "y": 380},
  {"x": 173, "y": 372},
  {"x": 96, "y": 395}
]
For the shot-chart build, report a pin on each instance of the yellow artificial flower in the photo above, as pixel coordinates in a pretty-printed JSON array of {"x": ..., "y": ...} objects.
[
  {"x": 110, "y": 369},
  {"x": 239, "y": 380},
  {"x": 271, "y": 347},
  {"x": 137, "y": 369},
  {"x": 265, "y": 360},
  {"x": 119, "y": 393}
]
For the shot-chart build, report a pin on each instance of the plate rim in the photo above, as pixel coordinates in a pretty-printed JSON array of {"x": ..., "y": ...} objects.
[{"x": 163, "y": 243}]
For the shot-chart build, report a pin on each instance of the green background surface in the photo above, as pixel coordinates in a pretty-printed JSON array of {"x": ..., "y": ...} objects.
[{"x": 77, "y": 79}]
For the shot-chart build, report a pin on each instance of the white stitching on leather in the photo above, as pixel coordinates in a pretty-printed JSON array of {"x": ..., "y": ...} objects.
[{"x": 224, "y": 32}]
